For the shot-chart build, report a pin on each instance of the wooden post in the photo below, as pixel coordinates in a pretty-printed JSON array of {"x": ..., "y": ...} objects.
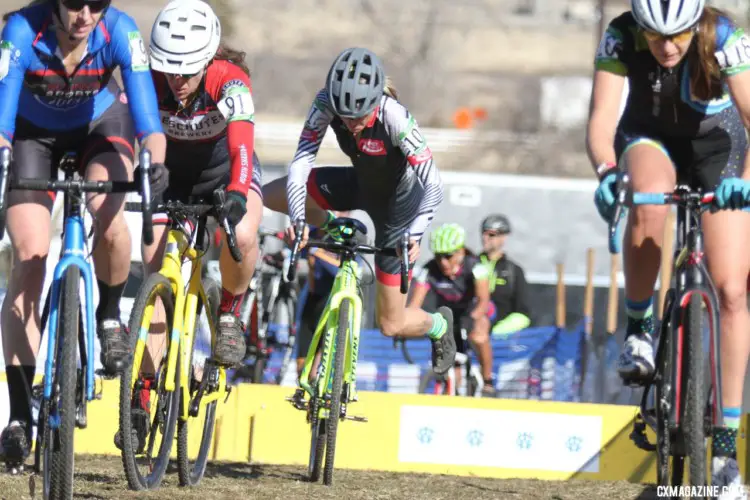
[
  {"x": 588, "y": 294},
  {"x": 612, "y": 305},
  {"x": 588, "y": 320},
  {"x": 560, "y": 310},
  {"x": 665, "y": 273},
  {"x": 603, "y": 340}
]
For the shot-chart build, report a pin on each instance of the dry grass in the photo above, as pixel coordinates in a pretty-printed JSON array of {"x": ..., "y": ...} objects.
[{"x": 102, "y": 478}]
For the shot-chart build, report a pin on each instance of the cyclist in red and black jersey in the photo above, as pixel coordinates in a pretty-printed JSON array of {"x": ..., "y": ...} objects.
[{"x": 206, "y": 109}]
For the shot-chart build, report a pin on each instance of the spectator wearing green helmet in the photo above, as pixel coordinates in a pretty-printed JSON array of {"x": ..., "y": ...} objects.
[{"x": 460, "y": 282}]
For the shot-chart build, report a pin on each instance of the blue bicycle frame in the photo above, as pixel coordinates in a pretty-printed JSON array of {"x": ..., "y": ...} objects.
[{"x": 72, "y": 254}]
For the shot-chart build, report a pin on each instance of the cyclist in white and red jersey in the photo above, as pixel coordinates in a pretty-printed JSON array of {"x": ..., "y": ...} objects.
[
  {"x": 206, "y": 109},
  {"x": 393, "y": 178}
]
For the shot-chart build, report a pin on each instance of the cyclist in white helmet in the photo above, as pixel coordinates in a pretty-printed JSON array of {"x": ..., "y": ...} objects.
[
  {"x": 684, "y": 122},
  {"x": 206, "y": 108}
]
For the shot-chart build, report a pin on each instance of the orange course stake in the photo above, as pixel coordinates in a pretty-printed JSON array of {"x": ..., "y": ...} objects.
[{"x": 462, "y": 118}]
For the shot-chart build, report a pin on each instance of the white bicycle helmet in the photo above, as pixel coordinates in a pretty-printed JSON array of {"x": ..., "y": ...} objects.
[
  {"x": 667, "y": 17},
  {"x": 185, "y": 37}
]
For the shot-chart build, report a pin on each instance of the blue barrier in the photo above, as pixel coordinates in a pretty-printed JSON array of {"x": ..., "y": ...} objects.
[{"x": 535, "y": 363}]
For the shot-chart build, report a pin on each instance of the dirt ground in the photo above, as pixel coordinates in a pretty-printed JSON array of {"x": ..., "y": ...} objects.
[{"x": 99, "y": 477}]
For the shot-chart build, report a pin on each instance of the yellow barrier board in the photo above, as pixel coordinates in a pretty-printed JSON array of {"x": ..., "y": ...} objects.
[{"x": 420, "y": 433}]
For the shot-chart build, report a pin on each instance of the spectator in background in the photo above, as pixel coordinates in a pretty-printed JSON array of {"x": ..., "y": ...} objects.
[
  {"x": 508, "y": 289},
  {"x": 460, "y": 282}
]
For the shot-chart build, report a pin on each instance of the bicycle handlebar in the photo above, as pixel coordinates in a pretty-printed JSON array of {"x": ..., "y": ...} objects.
[
  {"x": 344, "y": 247},
  {"x": 78, "y": 185},
  {"x": 178, "y": 209},
  {"x": 626, "y": 198}
]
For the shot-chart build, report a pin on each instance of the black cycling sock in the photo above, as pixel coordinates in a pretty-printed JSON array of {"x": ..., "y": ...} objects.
[
  {"x": 20, "y": 380},
  {"x": 109, "y": 301}
]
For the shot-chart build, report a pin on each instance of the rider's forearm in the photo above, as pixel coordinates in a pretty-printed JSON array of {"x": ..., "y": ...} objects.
[
  {"x": 156, "y": 143},
  {"x": 512, "y": 323},
  {"x": 599, "y": 145},
  {"x": 480, "y": 309},
  {"x": 326, "y": 257}
]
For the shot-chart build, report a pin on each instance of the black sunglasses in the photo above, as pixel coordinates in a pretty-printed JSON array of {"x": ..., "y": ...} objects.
[
  {"x": 492, "y": 234},
  {"x": 95, "y": 6},
  {"x": 446, "y": 256}
]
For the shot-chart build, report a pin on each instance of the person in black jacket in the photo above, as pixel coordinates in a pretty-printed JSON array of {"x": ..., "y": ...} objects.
[{"x": 508, "y": 288}]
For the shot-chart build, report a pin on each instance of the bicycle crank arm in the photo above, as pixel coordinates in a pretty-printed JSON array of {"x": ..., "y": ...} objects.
[
  {"x": 195, "y": 403},
  {"x": 82, "y": 420},
  {"x": 356, "y": 418},
  {"x": 638, "y": 436}
]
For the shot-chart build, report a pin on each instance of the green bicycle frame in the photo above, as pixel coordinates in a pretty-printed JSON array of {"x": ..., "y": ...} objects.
[{"x": 345, "y": 287}]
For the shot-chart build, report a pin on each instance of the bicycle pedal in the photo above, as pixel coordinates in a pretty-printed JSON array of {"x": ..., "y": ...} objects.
[
  {"x": 104, "y": 375},
  {"x": 298, "y": 400},
  {"x": 356, "y": 418},
  {"x": 15, "y": 469}
]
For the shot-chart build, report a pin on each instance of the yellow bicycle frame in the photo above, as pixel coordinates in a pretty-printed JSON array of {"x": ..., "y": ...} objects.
[
  {"x": 344, "y": 288},
  {"x": 183, "y": 327}
]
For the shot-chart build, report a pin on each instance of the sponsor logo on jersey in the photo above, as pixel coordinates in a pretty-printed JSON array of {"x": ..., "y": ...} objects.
[
  {"x": 9, "y": 54},
  {"x": 244, "y": 163},
  {"x": 232, "y": 83},
  {"x": 310, "y": 135},
  {"x": 372, "y": 147},
  {"x": 195, "y": 128},
  {"x": 420, "y": 157},
  {"x": 138, "y": 55}
]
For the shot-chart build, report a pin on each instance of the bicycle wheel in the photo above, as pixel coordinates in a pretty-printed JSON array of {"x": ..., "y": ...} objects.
[
  {"x": 670, "y": 460},
  {"x": 342, "y": 331},
  {"x": 693, "y": 417},
  {"x": 257, "y": 339},
  {"x": 156, "y": 425},
  {"x": 430, "y": 383},
  {"x": 317, "y": 440},
  {"x": 288, "y": 346},
  {"x": 191, "y": 463},
  {"x": 58, "y": 453}
]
